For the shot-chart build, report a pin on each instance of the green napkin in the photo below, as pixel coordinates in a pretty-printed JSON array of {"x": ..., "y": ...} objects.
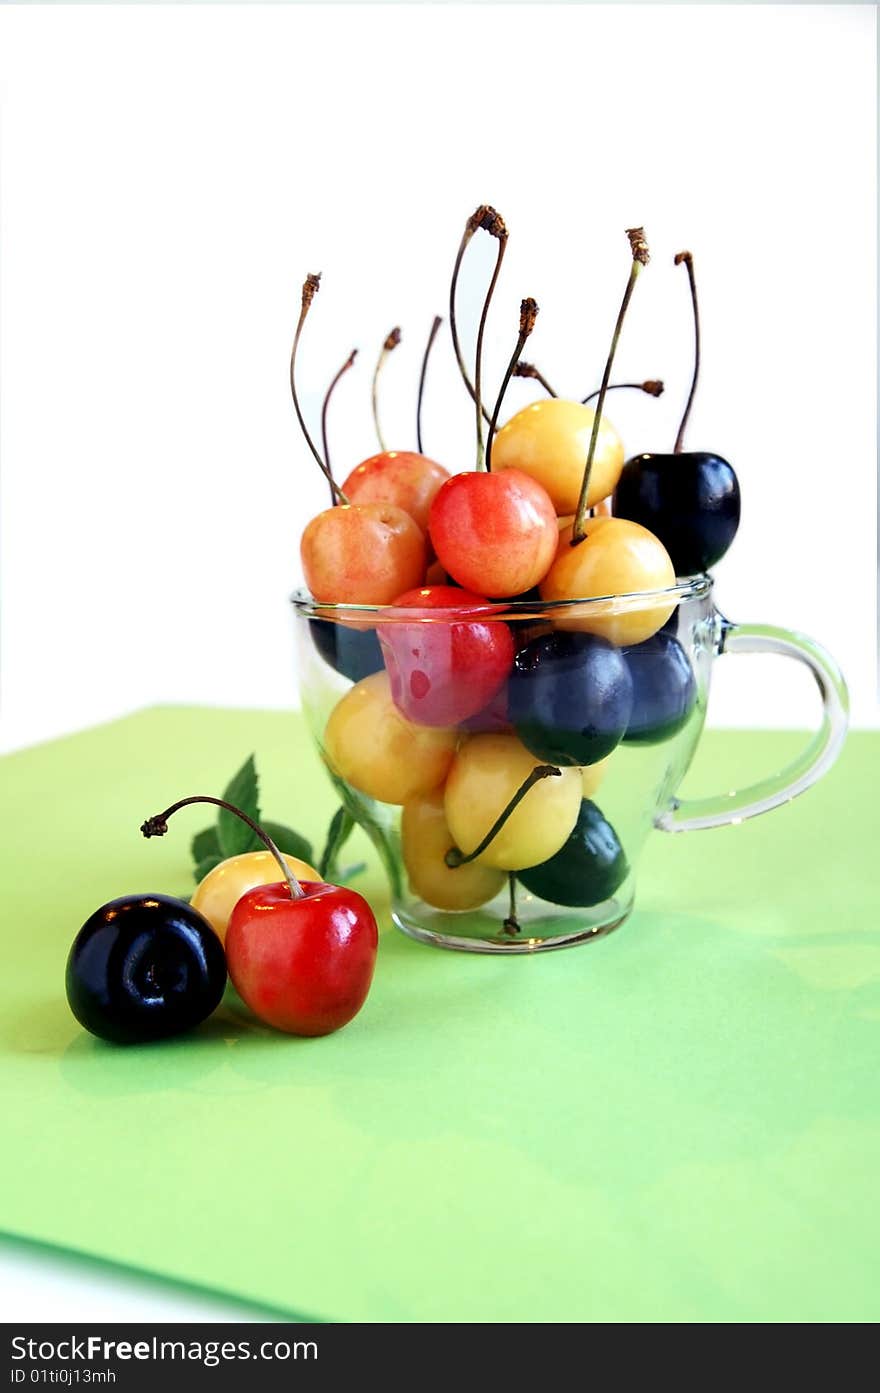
[{"x": 678, "y": 1123}]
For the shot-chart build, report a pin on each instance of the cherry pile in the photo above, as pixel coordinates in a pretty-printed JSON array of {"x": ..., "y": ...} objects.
[{"x": 493, "y": 733}]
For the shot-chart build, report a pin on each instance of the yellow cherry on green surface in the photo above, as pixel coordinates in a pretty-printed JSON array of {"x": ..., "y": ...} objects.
[
  {"x": 615, "y": 558},
  {"x": 370, "y": 744},
  {"x": 486, "y": 773},
  {"x": 425, "y": 840},
  {"x": 217, "y": 894},
  {"x": 549, "y": 440}
]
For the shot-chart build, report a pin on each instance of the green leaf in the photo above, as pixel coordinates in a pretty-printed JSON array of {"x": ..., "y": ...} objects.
[
  {"x": 350, "y": 873},
  {"x": 206, "y": 865},
  {"x": 234, "y": 835},
  {"x": 205, "y": 844},
  {"x": 338, "y": 833},
  {"x": 288, "y": 841}
]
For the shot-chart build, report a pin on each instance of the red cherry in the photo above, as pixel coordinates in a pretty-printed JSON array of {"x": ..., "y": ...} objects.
[
  {"x": 495, "y": 533},
  {"x": 302, "y": 965},
  {"x": 362, "y": 555},
  {"x": 443, "y": 671},
  {"x": 401, "y": 477}
]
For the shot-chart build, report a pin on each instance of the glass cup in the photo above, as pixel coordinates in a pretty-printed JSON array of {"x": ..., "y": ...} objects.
[{"x": 563, "y": 868}]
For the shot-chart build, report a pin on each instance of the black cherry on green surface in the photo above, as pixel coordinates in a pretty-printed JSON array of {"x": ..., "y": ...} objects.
[
  {"x": 640, "y": 258},
  {"x": 422, "y": 376},
  {"x": 311, "y": 286},
  {"x": 390, "y": 343},
  {"x": 528, "y": 313},
  {"x": 346, "y": 366}
]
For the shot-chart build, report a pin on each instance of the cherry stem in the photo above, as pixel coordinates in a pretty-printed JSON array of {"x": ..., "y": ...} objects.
[
  {"x": 428, "y": 346},
  {"x": 478, "y": 361},
  {"x": 529, "y": 370},
  {"x": 640, "y": 255},
  {"x": 528, "y": 313},
  {"x": 391, "y": 342},
  {"x": 491, "y": 222},
  {"x": 157, "y": 827},
  {"x": 689, "y": 263},
  {"x": 311, "y": 286},
  {"x": 511, "y": 924},
  {"x": 455, "y": 858},
  {"x": 349, "y": 362},
  {"x": 654, "y": 387}
]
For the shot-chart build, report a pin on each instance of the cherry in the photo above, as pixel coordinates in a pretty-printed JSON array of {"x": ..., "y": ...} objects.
[
  {"x": 495, "y": 534},
  {"x": 362, "y": 554},
  {"x": 615, "y": 558},
  {"x": 217, "y": 893},
  {"x": 570, "y": 697},
  {"x": 664, "y": 689},
  {"x": 144, "y": 967},
  {"x": 691, "y": 501},
  {"x": 445, "y": 671},
  {"x": 371, "y": 744},
  {"x": 354, "y": 653},
  {"x": 549, "y": 441},
  {"x": 586, "y": 870},
  {"x": 301, "y": 955},
  {"x": 401, "y": 477},
  {"x": 425, "y": 840}
]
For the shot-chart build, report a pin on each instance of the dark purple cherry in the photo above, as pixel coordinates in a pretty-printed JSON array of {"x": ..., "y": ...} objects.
[
  {"x": 355, "y": 653},
  {"x": 569, "y": 697},
  {"x": 664, "y": 689},
  {"x": 586, "y": 869}
]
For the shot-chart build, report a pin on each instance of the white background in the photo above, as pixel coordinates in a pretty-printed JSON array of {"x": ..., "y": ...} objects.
[{"x": 169, "y": 175}]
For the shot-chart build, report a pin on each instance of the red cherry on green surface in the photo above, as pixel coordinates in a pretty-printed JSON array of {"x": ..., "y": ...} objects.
[
  {"x": 408, "y": 480},
  {"x": 442, "y": 671},
  {"x": 495, "y": 534},
  {"x": 303, "y": 965}
]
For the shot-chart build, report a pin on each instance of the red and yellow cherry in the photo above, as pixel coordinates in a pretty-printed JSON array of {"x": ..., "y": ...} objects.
[
  {"x": 425, "y": 840},
  {"x": 495, "y": 534},
  {"x": 443, "y": 671},
  {"x": 486, "y": 774},
  {"x": 371, "y": 744},
  {"x": 217, "y": 894},
  {"x": 301, "y": 955},
  {"x": 549, "y": 441},
  {"x": 408, "y": 480},
  {"x": 302, "y": 963},
  {"x": 615, "y": 558},
  {"x": 364, "y": 554}
]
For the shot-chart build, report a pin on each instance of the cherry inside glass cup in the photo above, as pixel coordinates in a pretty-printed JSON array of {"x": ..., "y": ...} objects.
[{"x": 509, "y": 759}]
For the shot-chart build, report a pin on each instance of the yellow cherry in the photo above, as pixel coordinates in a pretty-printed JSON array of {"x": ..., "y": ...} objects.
[
  {"x": 550, "y": 440},
  {"x": 425, "y": 840},
  {"x": 615, "y": 558},
  {"x": 217, "y": 894},
  {"x": 486, "y": 773},
  {"x": 371, "y": 745}
]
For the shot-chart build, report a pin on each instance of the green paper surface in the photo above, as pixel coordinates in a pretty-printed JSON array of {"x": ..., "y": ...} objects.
[{"x": 680, "y": 1122}]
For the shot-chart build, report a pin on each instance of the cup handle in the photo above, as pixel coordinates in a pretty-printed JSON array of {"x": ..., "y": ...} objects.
[{"x": 690, "y": 814}]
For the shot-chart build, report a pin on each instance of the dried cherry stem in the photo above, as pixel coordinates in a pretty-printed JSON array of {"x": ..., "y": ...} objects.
[
  {"x": 311, "y": 285},
  {"x": 486, "y": 218},
  {"x": 157, "y": 826},
  {"x": 455, "y": 858},
  {"x": 511, "y": 924},
  {"x": 654, "y": 387},
  {"x": 528, "y": 313},
  {"x": 529, "y": 370},
  {"x": 689, "y": 263},
  {"x": 641, "y": 256},
  {"x": 422, "y": 375},
  {"x": 391, "y": 342},
  {"x": 349, "y": 362}
]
